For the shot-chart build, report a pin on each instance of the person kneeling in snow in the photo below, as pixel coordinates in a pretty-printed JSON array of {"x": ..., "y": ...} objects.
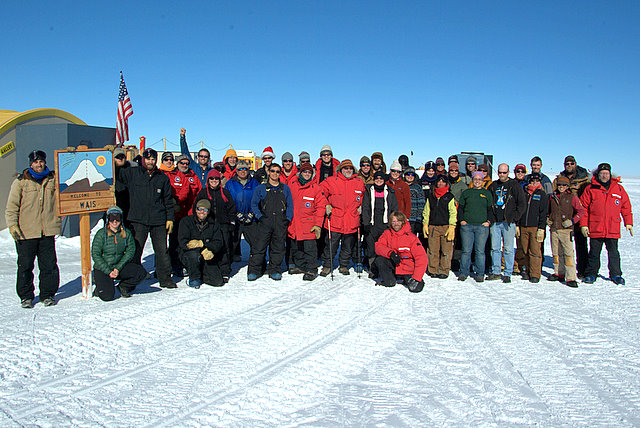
[
  {"x": 112, "y": 252},
  {"x": 201, "y": 247},
  {"x": 401, "y": 256}
]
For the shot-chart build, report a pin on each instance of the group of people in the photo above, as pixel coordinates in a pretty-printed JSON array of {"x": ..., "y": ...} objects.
[{"x": 395, "y": 224}]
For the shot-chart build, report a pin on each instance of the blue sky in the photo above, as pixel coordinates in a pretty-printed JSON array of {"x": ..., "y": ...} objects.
[{"x": 510, "y": 78}]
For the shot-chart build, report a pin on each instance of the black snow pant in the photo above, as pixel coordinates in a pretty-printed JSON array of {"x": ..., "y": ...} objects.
[
  {"x": 209, "y": 272},
  {"x": 346, "y": 249},
  {"x": 371, "y": 237},
  {"x": 49, "y": 279},
  {"x": 159, "y": 242},
  {"x": 582, "y": 251},
  {"x": 593, "y": 265},
  {"x": 240, "y": 230},
  {"x": 174, "y": 254},
  {"x": 227, "y": 252},
  {"x": 305, "y": 255},
  {"x": 130, "y": 276},
  {"x": 272, "y": 233},
  {"x": 387, "y": 272}
]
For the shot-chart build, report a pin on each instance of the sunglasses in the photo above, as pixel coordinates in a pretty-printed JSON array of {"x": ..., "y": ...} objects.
[
  {"x": 365, "y": 164},
  {"x": 396, "y": 170},
  {"x": 501, "y": 172},
  {"x": 214, "y": 178},
  {"x": 115, "y": 217},
  {"x": 519, "y": 171},
  {"x": 440, "y": 164},
  {"x": 243, "y": 169},
  {"x": 120, "y": 157},
  {"x": 471, "y": 163},
  {"x": 275, "y": 171},
  {"x": 183, "y": 163},
  {"x": 326, "y": 154},
  {"x": 411, "y": 174},
  {"x": 287, "y": 161},
  {"x": 167, "y": 159},
  {"x": 267, "y": 158},
  {"x": 454, "y": 170},
  {"x": 203, "y": 156},
  {"x": 569, "y": 163},
  {"x": 203, "y": 209}
]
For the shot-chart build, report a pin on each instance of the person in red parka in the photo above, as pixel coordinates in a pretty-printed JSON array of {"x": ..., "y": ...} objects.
[
  {"x": 604, "y": 201},
  {"x": 344, "y": 192},
  {"x": 308, "y": 213},
  {"x": 403, "y": 194},
  {"x": 400, "y": 255},
  {"x": 289, "y": 172},
  {"x": 180, "y": 192},
  {"x": 230, "y": 161}
]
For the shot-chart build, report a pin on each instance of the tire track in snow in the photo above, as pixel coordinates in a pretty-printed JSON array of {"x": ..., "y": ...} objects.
[
  {"x": 591, "y": 384},
  {"x": 278, "y": 306}
]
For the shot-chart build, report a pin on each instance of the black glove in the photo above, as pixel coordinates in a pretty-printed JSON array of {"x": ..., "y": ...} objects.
[
  {"x": 415, "y": 286},
  {"x": 240, "y": 217},
  {"x": 395, "y": 258}
]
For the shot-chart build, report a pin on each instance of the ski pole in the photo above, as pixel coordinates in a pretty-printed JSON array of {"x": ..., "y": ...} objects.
[{"x": 330, "y": 246}]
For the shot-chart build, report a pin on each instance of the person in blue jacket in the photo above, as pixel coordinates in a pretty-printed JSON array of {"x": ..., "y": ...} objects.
[
  {"x": 202, "y": 167},
  {"x": 272, "y": 206},
  {"x": 242, "y": 186}
]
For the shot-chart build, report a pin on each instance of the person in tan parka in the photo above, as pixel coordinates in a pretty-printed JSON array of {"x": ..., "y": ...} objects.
[{"x": 32, "y": 219}]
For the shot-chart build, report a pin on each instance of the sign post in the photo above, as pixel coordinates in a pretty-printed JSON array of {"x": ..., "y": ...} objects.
[{"x": 85, "y": 184}]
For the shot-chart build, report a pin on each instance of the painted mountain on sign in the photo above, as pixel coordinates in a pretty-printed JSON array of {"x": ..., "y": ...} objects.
[{"x": 85, "y": 178}]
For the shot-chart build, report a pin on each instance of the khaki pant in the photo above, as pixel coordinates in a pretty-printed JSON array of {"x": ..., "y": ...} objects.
[
  {"x": 440, "y": 250},
  {"x": 532, "y": 251},
  {"x": 563, "y": 257}
]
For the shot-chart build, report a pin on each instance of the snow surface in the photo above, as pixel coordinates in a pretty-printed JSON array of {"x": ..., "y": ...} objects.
[{"x": 325, "y": 353}]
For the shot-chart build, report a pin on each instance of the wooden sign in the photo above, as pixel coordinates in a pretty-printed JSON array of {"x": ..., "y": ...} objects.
[{"x": 85, "y": 181}]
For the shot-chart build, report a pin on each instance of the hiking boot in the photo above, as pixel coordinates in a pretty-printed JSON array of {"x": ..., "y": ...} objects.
[
  {"x": 169, "y": 284},
  {"x": 493, "y": 277},
  {"x": 194, "y": 283},
  {"x": 308, "y": 276},
  {"x": 49, "y": 301},
  {"x": 618, "y": 280},
  {"x": 276, "y": 276},
  {"x": 524, "y": 275},
  {"x": 534, "y": 280},
  {"x": 27, "y": 303},
  {"x": 572, "y": 284},
  {"x": 462, "y": 278},
  {"x": 293, "y": 270},
  {"x": 506, "y": 279},
  {"x": 343, "y": 270},
  {"x": 479, "y": 278},
  {"x": 124, "y": 291},
  {"x": 442, "y": 276},
  {"x": 554, "y": 277},
  {"x": 589, "y": 279},
  {"x": 252, "y": 276},
  {"x": 325, "y": 271}
]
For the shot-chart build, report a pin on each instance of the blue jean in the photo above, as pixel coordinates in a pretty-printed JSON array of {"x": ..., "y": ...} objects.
[
  {"x": 502, "y": 232},
  {"x": 474, "y": 236}
]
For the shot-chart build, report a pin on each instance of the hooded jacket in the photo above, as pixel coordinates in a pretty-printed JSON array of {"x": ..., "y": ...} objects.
[
  {"x": 413, "y": 258},
  {"x": 563, "y": 206},
  {"x": 537, "y": 208},
  {"x": 33, "y": 206},
  {"x": 345, "y": 196},
  {"x": 308, "y": 209},
  {"x": 242, "y": 194},
  {"x": 604, "y": 207}
]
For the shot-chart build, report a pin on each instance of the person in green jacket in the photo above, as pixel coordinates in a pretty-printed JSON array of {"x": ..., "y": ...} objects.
[
  {"x": 112, "y": 252},
  {"x": 475, "y": 214}
]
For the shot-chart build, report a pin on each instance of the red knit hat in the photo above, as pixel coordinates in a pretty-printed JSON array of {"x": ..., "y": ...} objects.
[
  {"x": 305, "y": 166},
  {"x": 214, "y": 173}
]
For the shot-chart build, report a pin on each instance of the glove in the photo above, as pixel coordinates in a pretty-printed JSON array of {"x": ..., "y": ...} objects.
[
  {"x": 207, "y": 254},
  {"x": 630, "y": 229},
  {"x": 316, "y": 230},
  {"x": 328, "y": 209},
  {"x": 169, "y": 227},
  {"x": 425, "y": 230},
  {"x": 109, "y": 147},
  {"x": 16, "y": 233},
  {"x": 549, "y": 221},
  {"x": 517, "y": 231},
  {"x": 240, "y": 217},
  {"x": 540, "y": 235},
  {"x": 249, "y": 217},
  {"x": 195, "y": 243},
  {"x": 415, "y": 286},
  {"x": 567, "y": 223},
  {"x": 72, "y": 149},
  {"x": 585, "y": 231},
  {"x": 395, "y": 258},
  {"x": 450, "y": 233}
]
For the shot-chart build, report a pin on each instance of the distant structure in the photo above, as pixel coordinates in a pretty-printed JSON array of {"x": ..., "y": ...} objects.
[{"x": 47, "y": 129}]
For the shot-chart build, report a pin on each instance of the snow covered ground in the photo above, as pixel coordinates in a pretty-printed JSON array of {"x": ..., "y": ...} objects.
[{"x": 325, "y": 353}]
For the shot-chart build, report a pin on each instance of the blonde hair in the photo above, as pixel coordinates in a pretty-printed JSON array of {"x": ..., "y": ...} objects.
[{"x": 400, "y": 216}]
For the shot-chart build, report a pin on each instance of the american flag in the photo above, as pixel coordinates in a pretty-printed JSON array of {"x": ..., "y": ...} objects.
[{"x": 124, "y": 111}]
